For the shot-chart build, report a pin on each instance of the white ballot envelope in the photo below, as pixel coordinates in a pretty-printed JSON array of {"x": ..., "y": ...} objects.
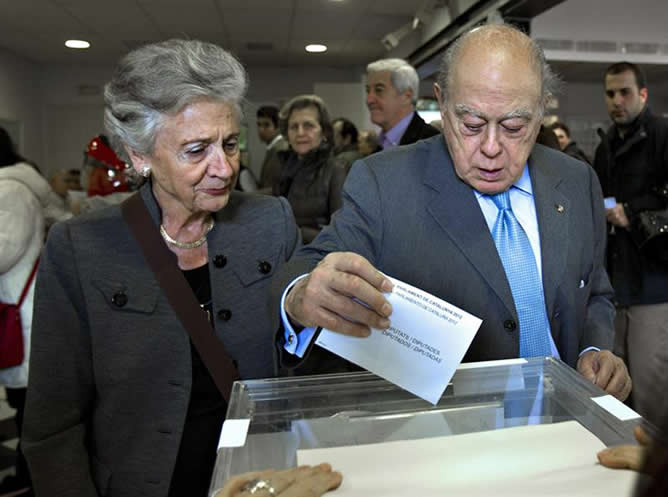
[
  {"x": 609, "y": 202},
  {"x": 423, "y": 346}
]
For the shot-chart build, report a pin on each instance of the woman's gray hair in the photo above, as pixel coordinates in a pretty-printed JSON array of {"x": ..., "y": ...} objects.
[
  {"x": 158, "y": 80},
  {"x": 550, "y": 82},
  {"x": 403, "y": 75},
  {"x": 303, "y": 102}
]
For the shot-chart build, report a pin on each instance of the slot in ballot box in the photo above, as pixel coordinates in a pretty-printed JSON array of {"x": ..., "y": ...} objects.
[{"x": 268, "y": 421}]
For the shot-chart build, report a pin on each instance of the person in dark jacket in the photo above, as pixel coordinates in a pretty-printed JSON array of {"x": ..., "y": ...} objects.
[
  {"x": 632, "y": 164},
  {"x": 567, "y": 145},
  {"x": 547, "y": 137},
  {"x": 391, "y": 93},
  {"x": 311, "y": 177},
  {"x": 269, "y": 132},
  {"x": 346, "y": 140}
]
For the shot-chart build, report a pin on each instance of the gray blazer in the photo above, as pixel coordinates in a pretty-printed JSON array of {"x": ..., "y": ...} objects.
[
  {"x": 110, "y": 385},
  {"x": 408, "y": 213}
]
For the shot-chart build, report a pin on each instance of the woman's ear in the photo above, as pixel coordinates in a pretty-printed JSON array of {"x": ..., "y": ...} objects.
[{"x": 140, "y": 162}]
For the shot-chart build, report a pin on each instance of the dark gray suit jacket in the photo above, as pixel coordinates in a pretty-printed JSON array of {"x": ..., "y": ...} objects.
[
  {"x": 109, "y": 386},
  {"x": 408, "y": 213}
]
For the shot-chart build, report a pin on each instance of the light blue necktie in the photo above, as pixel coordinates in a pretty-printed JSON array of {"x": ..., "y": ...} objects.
[{"x": 518, "y": 260}]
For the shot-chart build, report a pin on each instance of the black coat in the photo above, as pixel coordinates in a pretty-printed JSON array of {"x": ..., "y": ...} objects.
[
  {"x": 417, "y": 130},
  {"x": 632, "y": 170},
  {"x": 313, "y": 187},
  {"x": 576, "y": 152}
]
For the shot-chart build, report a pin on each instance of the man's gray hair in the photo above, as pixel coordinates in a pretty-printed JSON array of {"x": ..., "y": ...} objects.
[
  {"x": 403, "y": 75},
  {"x": 158, "y": 80},
  {"x": 550, "y": 82}
]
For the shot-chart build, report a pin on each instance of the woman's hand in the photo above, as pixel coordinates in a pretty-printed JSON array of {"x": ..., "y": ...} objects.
[
  {"x": 303, "y": 481},
  {"x": 627, "y": 456}
]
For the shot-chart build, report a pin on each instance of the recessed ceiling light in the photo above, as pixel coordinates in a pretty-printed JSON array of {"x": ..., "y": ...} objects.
[
  {"x": 77, "y": 44},
  {"x": 316, "y": 48}
]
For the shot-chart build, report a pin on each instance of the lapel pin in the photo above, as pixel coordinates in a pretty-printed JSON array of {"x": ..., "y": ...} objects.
[{"x": 560, "y": 208}]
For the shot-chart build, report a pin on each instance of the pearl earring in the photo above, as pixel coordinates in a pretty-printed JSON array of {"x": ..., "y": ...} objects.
[{"x": 146, "y": 171}]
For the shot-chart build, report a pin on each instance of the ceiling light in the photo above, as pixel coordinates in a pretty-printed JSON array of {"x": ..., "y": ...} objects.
[
  {"x": 316, "y": 48},
  {"x": 77, "y": 44}
]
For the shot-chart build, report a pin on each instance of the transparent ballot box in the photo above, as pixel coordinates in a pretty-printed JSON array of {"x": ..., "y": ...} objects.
[{"x": 284, "y": 415}]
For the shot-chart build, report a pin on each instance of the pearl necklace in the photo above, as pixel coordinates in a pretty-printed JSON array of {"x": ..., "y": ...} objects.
[{"x": 186, "y": 245}]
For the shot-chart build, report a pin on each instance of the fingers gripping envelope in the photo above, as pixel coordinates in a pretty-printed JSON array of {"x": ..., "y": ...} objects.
[{"x": 423, "y": 346}]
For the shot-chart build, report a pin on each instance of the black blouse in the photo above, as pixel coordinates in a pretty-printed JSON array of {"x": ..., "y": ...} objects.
[{"x": 206, "y": 412}]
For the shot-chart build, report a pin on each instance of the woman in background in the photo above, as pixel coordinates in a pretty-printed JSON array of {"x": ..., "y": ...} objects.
[{"x": 311, "y": 178}]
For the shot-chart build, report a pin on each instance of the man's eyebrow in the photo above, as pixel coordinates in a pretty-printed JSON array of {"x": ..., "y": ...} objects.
[
  {"x": 461, "y": 109},
  {"x": 518, "y": 113},
  {"x": 232, "y": 135},
  {"x": 195, "y": 139}
]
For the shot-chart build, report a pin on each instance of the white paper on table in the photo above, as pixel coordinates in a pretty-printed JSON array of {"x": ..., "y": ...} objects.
[
  {"x": 421, "y": 350},
  {"x": 616, "y": 407},
  {"x": 233, "y": 433},
  {"x": 552, "y": 460}
]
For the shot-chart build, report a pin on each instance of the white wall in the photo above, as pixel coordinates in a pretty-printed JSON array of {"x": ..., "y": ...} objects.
[
  {"x": 346, "y": 100},
  {"x": 20, "y": 103},
  {"x": 72, "y": 96},
  {"x": 615, "y": 20}
]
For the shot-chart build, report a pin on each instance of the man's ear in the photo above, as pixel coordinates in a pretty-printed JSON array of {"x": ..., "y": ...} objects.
[
  {"x": 643, "y": 94},
  {"x": 409, "y": 95},
  {"x": 437, "y": 93},
  {"x": 139, "y": 161}
]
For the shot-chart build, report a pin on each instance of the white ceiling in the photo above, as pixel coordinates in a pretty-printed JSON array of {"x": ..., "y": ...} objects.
[{"x": 37, "y": 29}]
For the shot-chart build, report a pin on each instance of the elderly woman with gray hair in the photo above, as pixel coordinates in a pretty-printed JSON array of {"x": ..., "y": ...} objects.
[
  {"x": 311, "y": 177},
  {"x": 145, "y": 313}
]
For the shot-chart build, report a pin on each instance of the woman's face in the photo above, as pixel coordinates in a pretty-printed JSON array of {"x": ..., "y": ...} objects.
[
  {"x": 195, "y": 162},
  {"x": 304, "y": 130}
]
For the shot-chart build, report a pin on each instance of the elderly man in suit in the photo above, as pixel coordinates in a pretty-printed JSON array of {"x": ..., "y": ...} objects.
[
  {"x": 391, "y": 92},
  {"x": 481, "y": 196}
]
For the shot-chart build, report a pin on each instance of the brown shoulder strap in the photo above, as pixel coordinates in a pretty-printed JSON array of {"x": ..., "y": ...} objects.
[{"x": 163, "y": 263}]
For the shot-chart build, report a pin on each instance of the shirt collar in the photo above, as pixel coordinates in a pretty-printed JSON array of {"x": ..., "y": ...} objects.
[
  {"x": 523, "y": 183},
  {"x": 395, "y": 133}
]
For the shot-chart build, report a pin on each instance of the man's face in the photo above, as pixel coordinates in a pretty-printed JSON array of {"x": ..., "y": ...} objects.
[
  {"x": 562, "y": 137},
  {"x": 623, "y": 97},
  {"x": 386, "y": 105},
  {"x": 266, "y": 129},
  {"x": 491, "y": 116}
]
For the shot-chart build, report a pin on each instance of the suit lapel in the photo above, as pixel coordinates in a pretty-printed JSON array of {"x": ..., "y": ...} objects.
[
  {"x": 454, "y": 207},
  {"x": 553, "y": 211}
]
